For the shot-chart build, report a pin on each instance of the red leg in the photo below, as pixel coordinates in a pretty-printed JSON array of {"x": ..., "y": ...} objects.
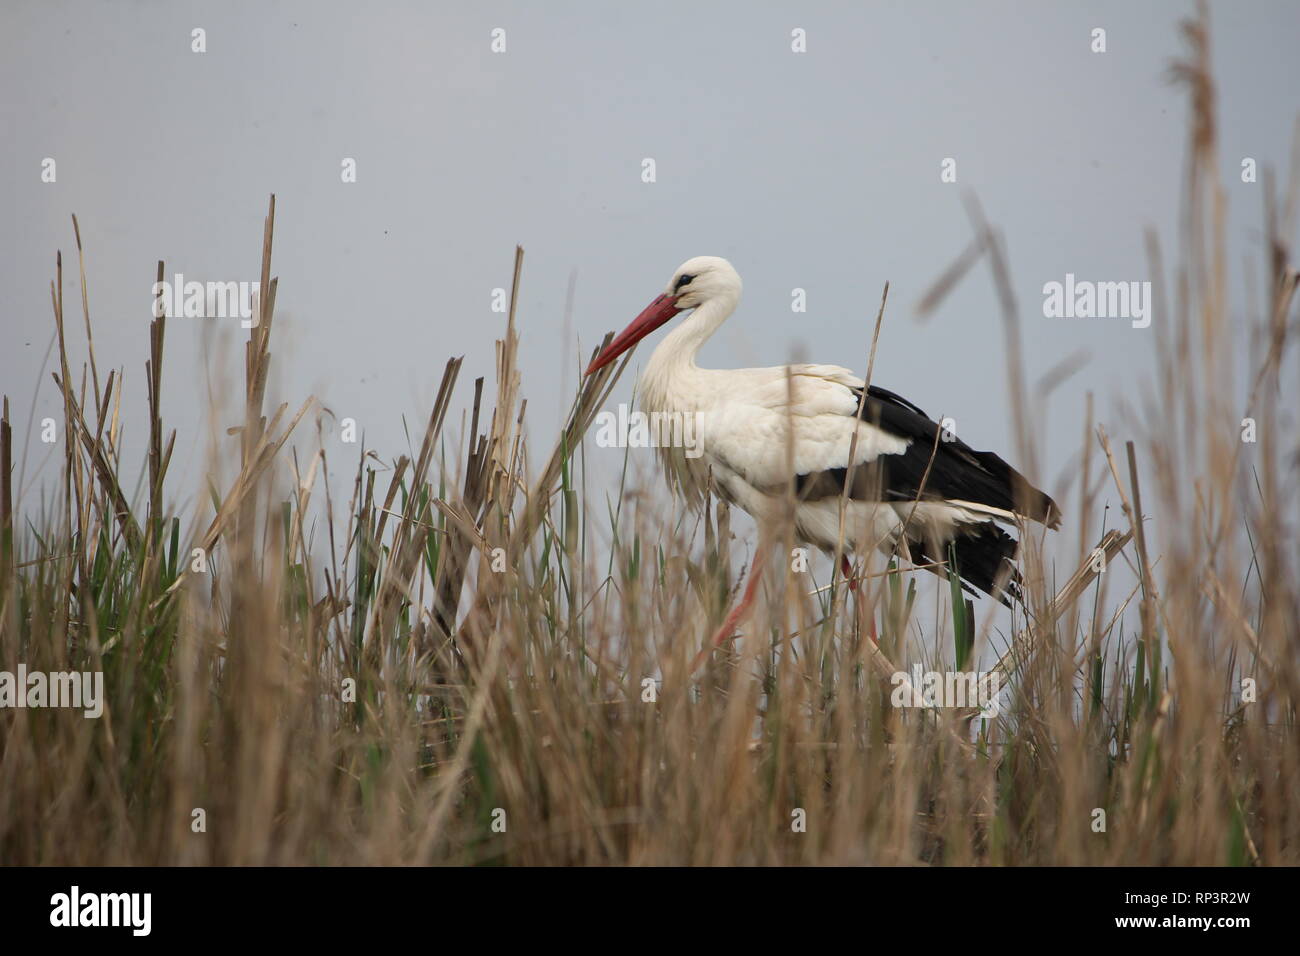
[
  {"x": 728, "y": 628},
  {"x": 847, "y": 570}
]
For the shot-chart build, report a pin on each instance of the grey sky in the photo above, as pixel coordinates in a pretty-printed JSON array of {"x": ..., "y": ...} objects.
[{"x": 817, "y": 170}]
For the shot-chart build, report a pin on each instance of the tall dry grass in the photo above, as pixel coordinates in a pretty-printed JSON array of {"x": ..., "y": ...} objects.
[{"x": 499, "y": 623}]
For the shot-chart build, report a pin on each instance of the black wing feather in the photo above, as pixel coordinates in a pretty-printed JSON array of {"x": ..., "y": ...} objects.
[{"x": 955, "y": 470}]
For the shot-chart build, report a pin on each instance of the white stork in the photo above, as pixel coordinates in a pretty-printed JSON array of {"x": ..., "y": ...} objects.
[{"x": 915, "y": 491}]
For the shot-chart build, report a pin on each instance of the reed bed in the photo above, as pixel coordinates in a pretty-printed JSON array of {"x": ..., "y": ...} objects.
[{"x": 472, "y": 655}]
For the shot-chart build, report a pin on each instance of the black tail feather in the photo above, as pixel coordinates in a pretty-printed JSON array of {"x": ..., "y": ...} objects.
[{"x": 985, "y": 556}]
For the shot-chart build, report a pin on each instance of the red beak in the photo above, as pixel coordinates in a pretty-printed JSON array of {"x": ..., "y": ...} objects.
[{"x": 656, "y": 314}]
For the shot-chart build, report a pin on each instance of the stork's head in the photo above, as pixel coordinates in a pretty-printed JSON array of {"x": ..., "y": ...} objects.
[
  {"x": 696, "y": 282},
  {"x": 702, "y": 278}
]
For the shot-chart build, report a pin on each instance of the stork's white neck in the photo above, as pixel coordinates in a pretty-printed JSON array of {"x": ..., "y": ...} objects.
[
  {"x": 680, "y": 346},
  {"x": 672, "y": 380}
]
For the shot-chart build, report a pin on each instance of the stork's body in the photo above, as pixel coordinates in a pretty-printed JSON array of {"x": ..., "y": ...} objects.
[{"x": 915, "y": 489}]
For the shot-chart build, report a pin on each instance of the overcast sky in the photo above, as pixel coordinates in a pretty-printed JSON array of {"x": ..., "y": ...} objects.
[{"x": 817, "y": 170}]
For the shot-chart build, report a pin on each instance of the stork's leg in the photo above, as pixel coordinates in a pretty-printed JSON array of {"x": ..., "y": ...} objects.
[
  {"x": 847, "y": 568},
  {"x": 724, "y": 633}
]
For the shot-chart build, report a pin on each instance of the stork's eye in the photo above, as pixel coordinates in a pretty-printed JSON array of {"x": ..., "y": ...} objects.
[{"x": 681, "y": 281}]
